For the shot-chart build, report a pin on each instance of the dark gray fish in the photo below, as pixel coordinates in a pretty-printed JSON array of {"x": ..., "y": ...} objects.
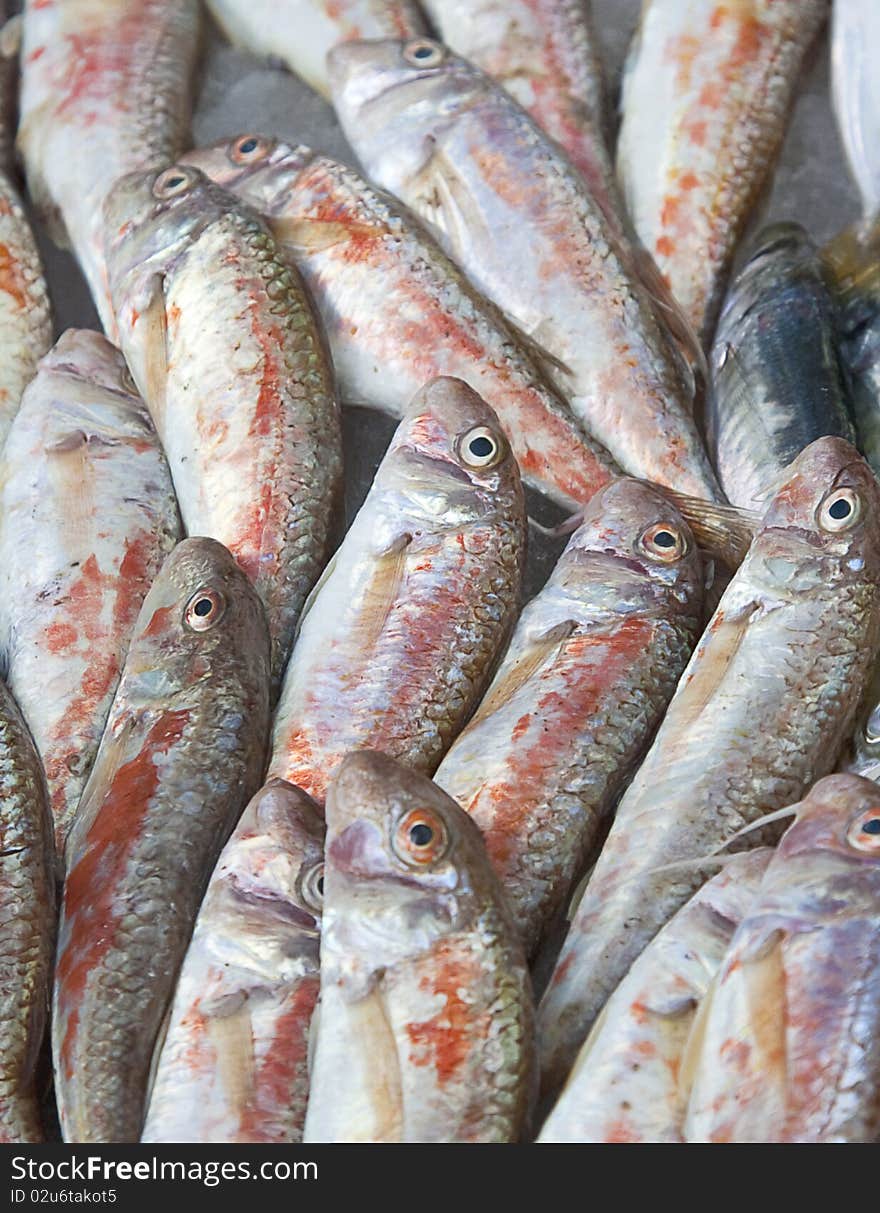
[{"x": 777, "y": 373}]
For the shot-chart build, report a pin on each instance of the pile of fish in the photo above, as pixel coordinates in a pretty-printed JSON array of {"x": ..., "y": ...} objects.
[{"x": 300, "y": 813}]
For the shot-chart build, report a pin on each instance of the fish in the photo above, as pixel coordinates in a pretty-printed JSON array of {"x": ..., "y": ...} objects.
[
  {"x": 852, "y": 259},
  {"x": 399, "y": 638},
  {"x": 398, "y": 313},
  {"x": 227, "y": 350},
  {"x": 592, "y": 664},
  {"x": 779, "y": 378},
  {"x": 509, "y": 207},
  {"x": 106, "y": 90},
  {"x": 181, "y": 755},
  {"x": 626, "y": 1085},
  {"x": 27, "y": 925},
  {"x": 301, "y": 32},
  {"x": 855, "y": 94},
  {"x": 424, "y": 1028},
  {"x": 706, "y": 93},
  {"x": 233, "y": 1062},
  {"x": 762, "y": 710},
  {"x": 87, "y": 516},
  {"x": 788, "y": 1048},
  {"x": 546, "y": 54}
]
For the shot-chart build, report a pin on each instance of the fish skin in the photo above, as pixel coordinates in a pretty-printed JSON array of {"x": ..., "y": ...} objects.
[
  {"x": 853, "y": 261},
  {"x": 779, "y": 380},
  {"x": 400, "y": 636},
  {"x": 301, "y": 32},
  {"x": 398, "y": 313},
  {"x": 626, "y": 1085},
  {"x": 706, "y": 94},
  {"x": 855, "y": 94},
  {"x": 546, "y": 54},
  {"x": 25, "y": 311},
  {"x": 106, "y": 90},
  {"x": 81, "y": 450},
  {"x": 233, "y": 1064},
  {"x": 508, "y": 206},
  {"x": 790, "y": 1048},
  {"x": 227, "y": 350},
  {"x": 762, "y": 710},
  {"x": 27, "y": 924},
  {"x": 592, "y": 664},
  {"x": 424, "y": 1029},
  {"x": 181, "y": 755}
]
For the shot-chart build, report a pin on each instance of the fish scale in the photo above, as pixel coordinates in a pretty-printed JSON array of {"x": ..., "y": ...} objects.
[
  {"x": 27, "y": 923},
  {"x": 771, "y": 690},
  {"x": 182, "y": 752}
]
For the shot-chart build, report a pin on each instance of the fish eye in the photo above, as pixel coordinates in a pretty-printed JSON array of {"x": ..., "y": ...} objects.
[
  {"x": 249, "y": 148},
  {"x": 424, "y": 53},
  {"x": 420, "y": 838},
  {"x": 864, "y": 832},
  {"x": 481, "y": 447},
  {"x": 173, "y": 181},
  {"x": 663, "y": 542},
  {"x": 205, "y": 608},
  {"x": 839, "y": 511},
  {"x": 312, "y": 888}
]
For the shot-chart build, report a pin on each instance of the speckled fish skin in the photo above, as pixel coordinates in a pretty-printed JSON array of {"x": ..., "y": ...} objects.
[
  {"x": 706, "y": 93},
  {"x": 853, "y": 259},
  {"x": 790, "y": 1040},
  {"x": 762, "y": 710},
  {"x": 233, "y": 1064},
  {"x": 226, "y": 348},
  {"x": 182, "y": 753},
  {"x": 510, "y": 208},
  {"x": 399, "y": 639},
  {"x": 301, "y": 32},
  {"x": 398, "y": 313},
  {"x": 87, "y": 515},
  {"x": 855, "y": 92},
  {"x": 106, "y": 89},
  {"x": 546, "y": 54},
  {"x": 27, "y": 924},
  {"x": 591, "y": 666},
  {"x": 424, "y": 1028},
  {"x": 626, "y": 1085},
  {"x": 779, "y": 380}
]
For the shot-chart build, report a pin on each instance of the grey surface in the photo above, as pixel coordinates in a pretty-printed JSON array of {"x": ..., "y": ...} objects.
[{"x": 240, "y": 93}]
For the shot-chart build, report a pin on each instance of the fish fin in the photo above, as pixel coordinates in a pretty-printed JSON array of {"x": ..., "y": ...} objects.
[
  {"x": 153, "y": 322},
  {"x": 693, "y": 1049},
  {"x": 725, "y": 532},
  {"x": 541, "y": 650},
  {"x": 441, "y": 197},
  {"x": 549, "y": 363},
  {"x": 382, "y": 590},
  {"x": 304, "y": 236},
  {"x": 231, "y": 1032},
  {"x": 675, "y": 321}
]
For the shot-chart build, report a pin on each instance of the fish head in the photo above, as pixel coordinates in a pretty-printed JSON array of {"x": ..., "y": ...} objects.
[
  {"x": 200, "y": 617},
  {"x": 634, "y": 545},
  {"x": 839, "y": 817},
  {"x": 406, "y": 868},
  {"x": 449, "y": 458},
  {"x": 823, "y": 522},
  {"x": 151, "y": 217},
  {"x": 257, "y": 168},
  {"x": 88, "y": 355},
  {"x": 278, "y": 871},
  {"x": 396, "y": 95}
]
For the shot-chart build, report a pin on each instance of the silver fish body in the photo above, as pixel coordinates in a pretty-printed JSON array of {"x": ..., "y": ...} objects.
[
  {"x": 513, "y": 212},
  {"x": 424, "y": 1028},
  {"x": 762, "y": 710},
  {"x": 855, "y": 92},
  {"x": 779, "y": 379}
]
